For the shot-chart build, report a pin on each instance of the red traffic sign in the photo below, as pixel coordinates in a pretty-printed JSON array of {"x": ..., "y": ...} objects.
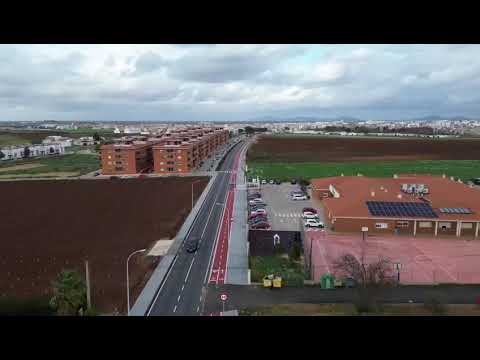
[{"x": 223, "y": 297}]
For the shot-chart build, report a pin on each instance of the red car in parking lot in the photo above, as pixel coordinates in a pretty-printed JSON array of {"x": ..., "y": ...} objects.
[
  {"x": 312, "y": 210},
  {"x": 261, "y": 226}
]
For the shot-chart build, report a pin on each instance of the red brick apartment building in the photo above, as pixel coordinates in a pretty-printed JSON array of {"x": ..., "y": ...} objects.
[
  {"x": 408, "y": 204},
  {"x": 130, "y": 158},
  {"x": 176, "y": 151}
]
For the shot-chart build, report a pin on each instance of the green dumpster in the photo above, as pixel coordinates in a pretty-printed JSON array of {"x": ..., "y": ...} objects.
[{"x": 327, "y": 281}]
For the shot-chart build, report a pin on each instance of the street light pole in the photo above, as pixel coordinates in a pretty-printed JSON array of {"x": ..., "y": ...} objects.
[{"x": 128, "y": 282}]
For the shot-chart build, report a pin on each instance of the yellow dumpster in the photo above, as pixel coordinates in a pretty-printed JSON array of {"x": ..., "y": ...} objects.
[
  {"x": 267, "y": 281},
  {"x": 277, "y": 282},
  {"x": 338, "y": 283}
]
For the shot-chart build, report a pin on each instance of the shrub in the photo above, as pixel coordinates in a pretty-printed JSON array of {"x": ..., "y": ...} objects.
[{"x": 35, "y": 306}]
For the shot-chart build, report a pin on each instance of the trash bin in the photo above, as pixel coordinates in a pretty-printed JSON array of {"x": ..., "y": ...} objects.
[{"x": 327, "y": 281}]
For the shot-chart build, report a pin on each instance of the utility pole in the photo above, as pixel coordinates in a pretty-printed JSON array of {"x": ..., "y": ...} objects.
[{"x": 87, "y": 275}]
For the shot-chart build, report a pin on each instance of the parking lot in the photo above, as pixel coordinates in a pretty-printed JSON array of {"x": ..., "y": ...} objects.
[{"x": 283, "y": 212}]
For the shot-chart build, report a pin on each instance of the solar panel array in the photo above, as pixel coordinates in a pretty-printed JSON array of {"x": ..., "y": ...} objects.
[
  {"x": 456, "y": 210},
  {"x": 400, "y": 209}
]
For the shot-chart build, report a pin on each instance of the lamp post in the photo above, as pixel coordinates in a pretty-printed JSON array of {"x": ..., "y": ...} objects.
[
  {"x": 128, "y": 283},
  {"x": 192, "y": 190}
]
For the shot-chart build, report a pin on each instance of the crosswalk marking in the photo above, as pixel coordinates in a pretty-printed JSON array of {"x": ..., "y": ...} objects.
[{"x": 287, "y": 215}]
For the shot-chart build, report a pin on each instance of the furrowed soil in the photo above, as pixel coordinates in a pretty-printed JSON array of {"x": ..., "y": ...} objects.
[
  {"x": 47, "y": 226},
  {"x": 324, "y": 149}
]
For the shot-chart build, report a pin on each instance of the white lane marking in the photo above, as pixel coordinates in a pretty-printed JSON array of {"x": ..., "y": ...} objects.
[
  {"x": 178, "y": 299},
  {"x": 175, "y": 308},
  {"x": 198, "y": 308},
  {"x": 183, "y": 287},
  {"x": 190, "y": 268},
  {"x": 164, "y": 281}
]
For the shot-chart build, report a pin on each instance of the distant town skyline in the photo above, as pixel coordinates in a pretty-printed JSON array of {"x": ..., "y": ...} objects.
[{"x": 237, "y": 82}]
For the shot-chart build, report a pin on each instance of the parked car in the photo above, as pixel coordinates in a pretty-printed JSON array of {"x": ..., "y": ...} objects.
[
  {"x": 258, "y": 220},
  {"x": 256, "y": 208},
  {"x": 258, "y": 212},
  {"x": 278, "y": 182},
  {"x": 309, "y": 215},
  {"x": 271, "y": 182},
  {"x": 297, "y": 192},
  {"x": 309, "y": 209},
  {"x": 192, "y": 245},
  {"x": 256, "y": 200},
  {"x": 261, "y": 226},
  {"x": 313, "y": 223},
  {"x": 257, "y": 203},
  {"x": 114, "y": 177},
  {"x": 293, "y": 182},
  {"x": 254, "y": 195},
  {"x": 264, "y": 181},
  {"x": 299, "y": 197}
]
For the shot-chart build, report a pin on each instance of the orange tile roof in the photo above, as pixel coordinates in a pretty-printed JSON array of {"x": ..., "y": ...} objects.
[{"x": 356, "y": 190}]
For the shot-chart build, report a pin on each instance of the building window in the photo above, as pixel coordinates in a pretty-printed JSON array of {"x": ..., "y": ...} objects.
[
  {"x": 170, "y": 162},
  {"x": 170, "y": 169},
  {"x": 118, "y": 163},
  {"x": 179, "y": 157},
  {"x": 402, "y": 224},
  {"x": 119, "y": 168},
  {"x": 116, "y": 150},
  {"x": 162, "y": 163},
  {"x": 425, "y": 224},
  {"x": 467, "y": 225},
  {"x": 381, "y": 226}
]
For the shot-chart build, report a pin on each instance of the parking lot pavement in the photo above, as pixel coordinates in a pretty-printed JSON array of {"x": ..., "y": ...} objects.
[{"x": 284, "y": 214}]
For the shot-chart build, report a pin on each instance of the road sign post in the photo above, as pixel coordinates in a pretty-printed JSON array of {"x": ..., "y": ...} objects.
[
  {"x": 397, "y": 267},
  {"x": 224, "y": 298}
]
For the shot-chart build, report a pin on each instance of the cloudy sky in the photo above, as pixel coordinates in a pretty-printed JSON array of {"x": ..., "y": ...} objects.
[{"x": 237, "y": 82}]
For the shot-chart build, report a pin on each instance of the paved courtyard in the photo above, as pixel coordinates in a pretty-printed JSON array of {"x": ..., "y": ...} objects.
[{"x": 423, "y": 260}]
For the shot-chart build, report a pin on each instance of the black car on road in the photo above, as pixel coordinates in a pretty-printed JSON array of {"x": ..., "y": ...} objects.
[{"x": 192, "y": 245}]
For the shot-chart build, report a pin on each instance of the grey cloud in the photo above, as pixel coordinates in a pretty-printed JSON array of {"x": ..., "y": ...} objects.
[{"x": 149, "y": 62}]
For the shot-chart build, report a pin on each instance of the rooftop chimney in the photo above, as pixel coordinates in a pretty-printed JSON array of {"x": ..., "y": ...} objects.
[
  {"x": 452, "y": 178},
  {"x": 341, "y": 174},
  {"x": 399, "y": 196},
  {"x": 372, "y": 193},
  {"x": 444, "y": 176},
  {"x": 395, "y": 176}
]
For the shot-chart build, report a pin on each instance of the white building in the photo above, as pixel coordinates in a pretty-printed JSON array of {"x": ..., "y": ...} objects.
[
  {"x": 85, "y": 141},
  {"x": 17, "y": 152},
  {"x": 131, "y": 130},
  {"x": 64, "y": 141}
]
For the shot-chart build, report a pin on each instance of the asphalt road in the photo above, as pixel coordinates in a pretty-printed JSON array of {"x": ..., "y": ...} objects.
[
  {"x": 184, "y": 290},
  {"x": 242, "y": 296}
]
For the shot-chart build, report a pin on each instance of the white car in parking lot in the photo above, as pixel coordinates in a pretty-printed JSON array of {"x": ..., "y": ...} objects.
[
  {"x": 313, "y": 223},
  {"x": 299, "y": 197},
  {"x": 309, "y": 215},
  {"x": 256, "y": 201}
]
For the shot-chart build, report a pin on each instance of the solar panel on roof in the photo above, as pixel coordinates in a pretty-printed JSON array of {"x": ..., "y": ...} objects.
[
  {"x": 400, "y": 209},
  {"x": 455, "y": 210}
]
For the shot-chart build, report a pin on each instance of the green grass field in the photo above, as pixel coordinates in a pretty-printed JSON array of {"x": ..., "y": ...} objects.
[
  {"x": 464, "y": 169},
  {"x": 75, "y": 163},
  {"x": 12, "y": 139},
  {"x": 291, "y": 272}
]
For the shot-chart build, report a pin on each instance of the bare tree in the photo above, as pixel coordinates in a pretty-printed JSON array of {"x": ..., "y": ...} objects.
[
  {"x": 376, "y": 273},
  {"x": 370, "y": 278}
]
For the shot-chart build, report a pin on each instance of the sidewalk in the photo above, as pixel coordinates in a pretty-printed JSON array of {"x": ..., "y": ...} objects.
[{"x": 237, "y": 262}]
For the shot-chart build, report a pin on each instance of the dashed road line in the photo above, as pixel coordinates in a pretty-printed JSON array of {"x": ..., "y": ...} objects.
[
  {"x": 189, "y": 269},
  {"x": 175, "y": 308},
  {"x": 178, "y": 299}
]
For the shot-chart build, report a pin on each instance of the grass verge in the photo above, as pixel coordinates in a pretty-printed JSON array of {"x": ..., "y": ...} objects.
[
  {"x": 463, "y": 169},
  {"x": 74, "y": 164},
  {"x": 292, "y": 272}
]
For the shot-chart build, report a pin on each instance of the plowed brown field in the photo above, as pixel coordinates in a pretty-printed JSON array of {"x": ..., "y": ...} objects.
[
  {"x": 312, "y": 149},
  {"x": 47, "y": 226}
]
